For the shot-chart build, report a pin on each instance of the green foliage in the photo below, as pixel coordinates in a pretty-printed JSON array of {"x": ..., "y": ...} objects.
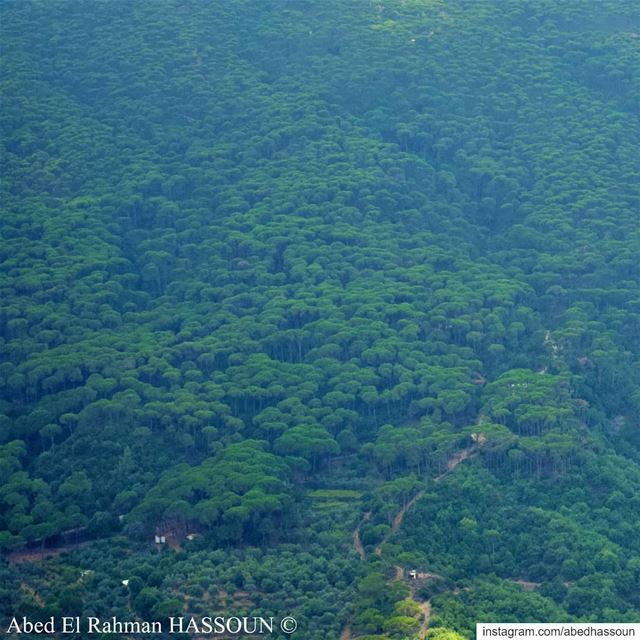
[
  {"x": 241, "y": 493},
  {"x": 267, "y": 267}
]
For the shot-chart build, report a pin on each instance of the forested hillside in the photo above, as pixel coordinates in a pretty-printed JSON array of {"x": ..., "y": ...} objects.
[{"x": 272, "y": 271}]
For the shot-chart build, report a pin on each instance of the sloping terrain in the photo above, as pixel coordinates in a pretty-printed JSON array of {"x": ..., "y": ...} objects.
[{"x": 269, "y": 267}]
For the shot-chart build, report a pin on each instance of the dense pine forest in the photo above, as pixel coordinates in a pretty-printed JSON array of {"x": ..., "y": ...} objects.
[{"x": 340, "y": 299}]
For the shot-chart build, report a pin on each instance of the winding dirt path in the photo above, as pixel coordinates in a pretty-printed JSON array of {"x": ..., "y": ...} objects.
[
  {"x": 452, "y": 463},
  {"x": 346, "y": 633},
  {"x": 397, "y": 521},
  {"x": 425, "y": 607},
  {"x": 456, "y": 459},
  {"x": 357, "y": 543}
]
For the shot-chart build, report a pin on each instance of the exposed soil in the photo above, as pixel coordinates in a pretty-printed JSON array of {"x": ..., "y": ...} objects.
[
  {"x": 399, "y": 574},
  {"x": 525, "y": 584},
  {"x": 425, "y": 607},
  {"x": 357, "y": 543},
  {"x": 37, "y": 555},
  {"x": 452, "y": 463},
  {"x": 346, "y": 633}
]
